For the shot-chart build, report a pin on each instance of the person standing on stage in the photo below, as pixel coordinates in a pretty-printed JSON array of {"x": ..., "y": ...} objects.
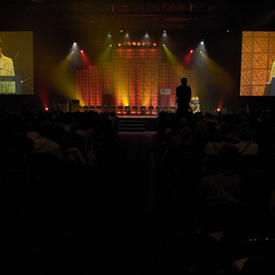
[
  {"x": 183, "y": 93},
  {"x": 6, "y": 63}
]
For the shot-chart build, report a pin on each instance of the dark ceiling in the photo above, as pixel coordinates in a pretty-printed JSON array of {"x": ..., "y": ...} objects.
[{"x": 133, "y": 15}]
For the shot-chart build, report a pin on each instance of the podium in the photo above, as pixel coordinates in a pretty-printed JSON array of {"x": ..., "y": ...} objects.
[
  {"x": 270, "y": 88},
  {"x": 164, "y": 97},
  {"x": 74, "y": 106},
  {"x": 10, "y": 85}
]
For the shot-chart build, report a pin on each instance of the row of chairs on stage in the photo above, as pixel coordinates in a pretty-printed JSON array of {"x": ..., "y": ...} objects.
[{"x": 129, "y": 110}]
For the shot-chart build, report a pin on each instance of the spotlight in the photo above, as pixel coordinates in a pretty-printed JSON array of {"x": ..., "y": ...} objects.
[
  {"x": 227, "y": 30},
  {"x": 163, "y": 45},
  {"x": 119, "y": 44},
  {"x": 82, "y": 51},
  {"x": 143, "y": 43},
  {"x": 74, "y": 43},
  {"x": 127, "y": 35},
  {"x": 46, "y": 108},
  {"x": 200, "y": 52},
  {"x": 202, "y": 42},
  {"x": 121, "y": 30},
  {"x": 129, "y": 43},
  {"x": 154, "y": 44},
  {"x": 164, "y": 34},
  {"x": 146, "y": 35},
  {"x": 109, "y": 35},
  {"x": 110, "y": 45},
  {"x": 218, "y": 109},
  {"x": 138, "y": 44},
  {"x": 134, "y": 43}
]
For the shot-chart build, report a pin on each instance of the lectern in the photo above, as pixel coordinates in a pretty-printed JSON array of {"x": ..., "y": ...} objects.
[
  {"x": 10, "y": 85},
  {"x": 164, "y": 97}
]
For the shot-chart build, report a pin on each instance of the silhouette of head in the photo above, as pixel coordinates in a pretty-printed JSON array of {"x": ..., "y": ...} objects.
[{"x": 184, "y": 81}]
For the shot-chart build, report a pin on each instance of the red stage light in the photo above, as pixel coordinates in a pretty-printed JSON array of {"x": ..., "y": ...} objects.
[
  {"x": 46, "y": 108},
  {"x": 191, "y": 51},
  {"x": 154, "y": 44},
  {"x": 119, "y": 44},
  {"x": 143, "y": 43},
  {"x": 138, "y": 43},
  {"x": 82, "y": 51},
  {"x": 148, "y": 43},
  {"x": 129, "y": 43}
]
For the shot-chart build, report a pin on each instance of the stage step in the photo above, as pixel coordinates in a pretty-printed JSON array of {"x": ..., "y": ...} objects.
[{"x": 131, "y": 125}]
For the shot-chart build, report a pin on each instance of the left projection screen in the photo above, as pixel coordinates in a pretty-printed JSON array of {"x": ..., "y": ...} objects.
[{"x": 16, "y": 62}]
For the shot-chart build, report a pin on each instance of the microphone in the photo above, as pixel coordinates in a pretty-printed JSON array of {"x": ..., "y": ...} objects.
[
  {"x": 17, "y": 54},
  {"x": 24, "y": 80}
]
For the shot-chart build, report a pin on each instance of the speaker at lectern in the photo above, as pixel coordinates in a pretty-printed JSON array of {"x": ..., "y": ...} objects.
[
  {"x": 270, "y": 88},
  {"x": 10, "y": 85}
]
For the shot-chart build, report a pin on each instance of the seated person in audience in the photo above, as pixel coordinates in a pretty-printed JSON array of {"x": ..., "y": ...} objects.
[
  {"x": 43, "y": 144},
  {"x": 246, "y": 146},
  {"x": 224, "y": 185}
]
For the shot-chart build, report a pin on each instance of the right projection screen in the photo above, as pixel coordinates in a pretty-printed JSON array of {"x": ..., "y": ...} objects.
[{"x": 258, "y": 63}]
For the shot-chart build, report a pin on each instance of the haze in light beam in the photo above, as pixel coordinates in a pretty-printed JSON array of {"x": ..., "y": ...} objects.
[
  {"x": 219, "y": 76},
  {"x": 63, "y": 78},
  {"x": 178, "y": 68}
]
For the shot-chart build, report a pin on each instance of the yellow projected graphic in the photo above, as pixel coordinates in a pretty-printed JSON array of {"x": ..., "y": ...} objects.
[{"x": 258, "y": 56}]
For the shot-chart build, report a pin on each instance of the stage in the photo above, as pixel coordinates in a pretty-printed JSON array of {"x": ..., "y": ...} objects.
[{"x": 136, "y": 123}]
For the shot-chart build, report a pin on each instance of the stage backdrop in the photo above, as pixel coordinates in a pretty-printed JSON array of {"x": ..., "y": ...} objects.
[
  {"x": 133, "y": 77},
  {"x": 258, "y": 58}
]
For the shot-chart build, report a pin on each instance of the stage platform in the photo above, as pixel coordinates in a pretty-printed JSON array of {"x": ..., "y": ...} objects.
[
  {"x": 138, "y": 116},
  {"x": 136, "y": 123}
]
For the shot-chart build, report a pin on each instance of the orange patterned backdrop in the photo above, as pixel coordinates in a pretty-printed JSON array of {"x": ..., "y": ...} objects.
[
  {"x": 258, "y": 54},
  {"x": 132, "y": 77}
]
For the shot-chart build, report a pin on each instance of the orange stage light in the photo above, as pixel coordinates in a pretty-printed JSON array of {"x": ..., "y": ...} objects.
[
  {"x": 129, "y": 43},
  {"x": 138, "y": 43}
]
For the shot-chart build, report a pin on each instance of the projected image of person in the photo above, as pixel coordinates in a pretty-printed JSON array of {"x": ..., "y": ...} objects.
[
  {"x": 268, "y": 87},
  {"x": 6, "y": 63},
  {"x": 272, "y": 73}
]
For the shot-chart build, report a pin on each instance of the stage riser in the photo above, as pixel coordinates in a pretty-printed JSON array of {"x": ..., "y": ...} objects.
[{"x": 136, "y": 124}]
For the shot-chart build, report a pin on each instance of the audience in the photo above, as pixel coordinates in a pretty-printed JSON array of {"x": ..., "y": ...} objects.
[
  {"x": 212, "y": 172},
  {"x": 226, "y": 183}
]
